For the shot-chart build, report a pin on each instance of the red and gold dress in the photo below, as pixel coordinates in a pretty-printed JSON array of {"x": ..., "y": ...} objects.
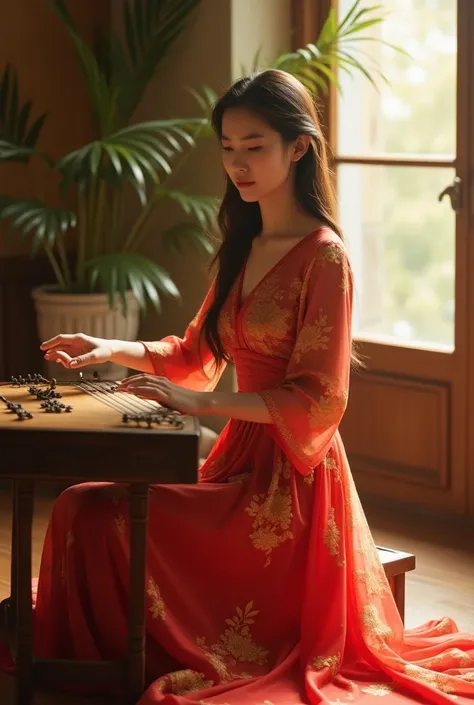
[{"x": 264, "y": 586}]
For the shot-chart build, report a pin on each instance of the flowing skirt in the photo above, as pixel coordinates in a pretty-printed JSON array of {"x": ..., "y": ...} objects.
[{"x": 262, "y": 586}]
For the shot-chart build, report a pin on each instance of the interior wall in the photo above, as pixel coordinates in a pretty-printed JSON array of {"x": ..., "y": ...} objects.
[
  {"x": 34, "y": 42},
  {"x": 260, "y": 28}
]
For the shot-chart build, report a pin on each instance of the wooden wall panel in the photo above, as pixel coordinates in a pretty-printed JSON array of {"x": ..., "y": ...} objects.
[
  {"x": 38, "y": 47},
  {"x": 399, "y": 428},
  {"x": 19, "y": 342}
]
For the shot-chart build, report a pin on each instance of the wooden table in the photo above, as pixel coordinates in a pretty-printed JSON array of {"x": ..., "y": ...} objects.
[{"x": 137, "y": 456}]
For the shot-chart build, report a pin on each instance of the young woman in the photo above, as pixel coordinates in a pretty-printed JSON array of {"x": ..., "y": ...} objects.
[{"x": 264, "y": 584}]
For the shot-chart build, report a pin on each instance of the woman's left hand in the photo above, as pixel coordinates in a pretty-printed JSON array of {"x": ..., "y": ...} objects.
[{"x": 164, "y": 392}]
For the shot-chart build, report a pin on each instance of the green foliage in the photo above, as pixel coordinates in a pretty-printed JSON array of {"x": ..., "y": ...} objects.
[
  {"x": 18, "y": 135},
  {"x": 338, "y": 49},
  {"x": 117, "y": 68}
]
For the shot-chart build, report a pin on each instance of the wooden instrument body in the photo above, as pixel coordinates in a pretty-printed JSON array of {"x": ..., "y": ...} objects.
[{"x": 92, "y": 442}]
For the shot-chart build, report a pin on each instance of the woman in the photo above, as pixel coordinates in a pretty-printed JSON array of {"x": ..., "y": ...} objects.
[{"x": 264, "y": 584}]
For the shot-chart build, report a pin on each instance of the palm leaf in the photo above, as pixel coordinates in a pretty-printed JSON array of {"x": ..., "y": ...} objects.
[
  {"x": 316, "y": 64},
  {"x": 139, "y": 154},
  {"x": 256, "y": 65},
  {"x": 150, "y": 28},
  {"x": 115, "y": 274},
  {"x": 18, "y": 135},
  {"x": 183, "y": 235},
  {"x": 203, "y": 209},
  {"x": 103, "y": 96},
  {"x": 206, "y": 98},
  {"x": 42, "y": 222}
]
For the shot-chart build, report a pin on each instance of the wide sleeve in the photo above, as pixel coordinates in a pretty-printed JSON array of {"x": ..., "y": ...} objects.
[
  {"x": 187, "y": 361},
  {"x": 307, "y": 407}
]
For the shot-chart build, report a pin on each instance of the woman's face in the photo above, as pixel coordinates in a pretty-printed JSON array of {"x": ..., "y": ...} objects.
[{"x": 255, "y": 157}]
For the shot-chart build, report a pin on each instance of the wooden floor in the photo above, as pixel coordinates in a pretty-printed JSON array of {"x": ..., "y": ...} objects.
[{"x": 443, "y": 583}]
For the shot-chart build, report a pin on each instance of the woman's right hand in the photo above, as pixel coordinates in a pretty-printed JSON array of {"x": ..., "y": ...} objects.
[{"x": 77, "y": 350}]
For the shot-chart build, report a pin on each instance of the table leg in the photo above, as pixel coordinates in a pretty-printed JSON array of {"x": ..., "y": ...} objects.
[
  {"x": 10, "y": 609},
  {"x": 399, "y": 594},
  {"x": 13, "y": 571},
  {"x": 136, "y": 634},
  {"x": 24, "y": 491}
]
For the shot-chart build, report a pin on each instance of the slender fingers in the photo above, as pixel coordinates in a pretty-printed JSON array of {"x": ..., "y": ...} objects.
[
  {"x": 145, "y": 392},
  {"x": 139, "y": 379},
  {"x": 59, "y": 356},
  {"x": 64, "y": 339}
]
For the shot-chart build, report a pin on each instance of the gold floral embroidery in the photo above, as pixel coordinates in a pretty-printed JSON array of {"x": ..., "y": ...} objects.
[
  {"x": 379, "y": 689},
  {"x": 313, "y": 337},
  {"x": 469, "y": 677},
  {"x": 444, "y": 626},
  {"x": 461, "y": 657},
  {"x": 309, "y": 478},
  {"x": 366, "y": 548},
  {"x": 188, "y": 681},
  {"x": 235, "y": 645},
  {"x": 267, "y": 322},
  {"x": 329, "y": 463},
  {"x": 320, "y": 413},
  {"x": 334, "y": 252},
  {"x": 370, "y": 555},
  {"x": 435, "y": 680},
  {"x": 331, "y": 537},
  {"x": 157, "y": 604},
  {"x": 120, "y": 524},
  {"x": 373, "y": 582},
  {"x": 280, "y": 423},
  {"x": 295, "y": 289},
  {"x": 331, "y": 662},
  {"x": 240, "y": 478},
  {"x": 182, "y": 682},
  {"x": 355, "y": 512},
  {"x": 330, "y": 405},
  {"x": 273, "y": 512},
  {"x": 375, "y": 628}
]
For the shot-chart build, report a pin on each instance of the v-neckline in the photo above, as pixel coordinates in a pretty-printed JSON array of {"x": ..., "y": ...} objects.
[{"x": 241, "y": 306}]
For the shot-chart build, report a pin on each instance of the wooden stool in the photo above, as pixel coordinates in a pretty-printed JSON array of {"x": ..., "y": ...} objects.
[{"x": 396, "y": 564}]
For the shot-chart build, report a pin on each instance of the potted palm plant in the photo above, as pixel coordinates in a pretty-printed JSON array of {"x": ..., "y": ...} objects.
[{"x": 102, "y": 278}]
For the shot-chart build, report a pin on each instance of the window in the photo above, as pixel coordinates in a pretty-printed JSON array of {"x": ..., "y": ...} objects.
[{"x": 395, "y": 154}]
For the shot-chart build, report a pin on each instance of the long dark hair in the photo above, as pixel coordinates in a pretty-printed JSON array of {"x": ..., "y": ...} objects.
[{"x": 288, "y": 108}]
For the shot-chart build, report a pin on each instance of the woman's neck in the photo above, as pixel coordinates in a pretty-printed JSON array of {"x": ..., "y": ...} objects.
[{"x": 282, "y": 215}]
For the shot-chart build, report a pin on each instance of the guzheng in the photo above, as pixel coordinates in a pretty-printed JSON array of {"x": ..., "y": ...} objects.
[{"x": 72, "y": 428}]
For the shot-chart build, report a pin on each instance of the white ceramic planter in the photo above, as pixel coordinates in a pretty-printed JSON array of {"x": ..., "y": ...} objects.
[{"x": 84, "y": 313}]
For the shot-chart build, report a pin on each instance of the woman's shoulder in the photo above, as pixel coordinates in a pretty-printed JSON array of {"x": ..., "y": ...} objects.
[{"x": 326, "y": 245}]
